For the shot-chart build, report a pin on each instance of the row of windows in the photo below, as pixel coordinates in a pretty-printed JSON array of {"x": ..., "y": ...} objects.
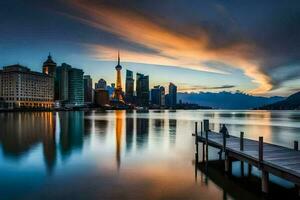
[{"x": 27, "y": 99}]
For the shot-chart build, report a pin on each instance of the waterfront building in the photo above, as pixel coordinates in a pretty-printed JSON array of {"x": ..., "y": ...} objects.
[
  {"x": 22, "y": 88},
  {"x": 129, "y": 87},
  {"x": 70, "y": 85},
  {"x": 88, "y": 89},
  {"x": 158, "y": 96},
  {"x": 101, "y": 84},
  {"x": 62, "y": 78},
  {"x": 155, "y": 96},
  {"x": 142, "y": 90},
  {"x": 76, "y": 88},
  {"x": 118, "y": 93},
  {"x": 101, "y": 97},
  {"x": 172, "y": 97}
]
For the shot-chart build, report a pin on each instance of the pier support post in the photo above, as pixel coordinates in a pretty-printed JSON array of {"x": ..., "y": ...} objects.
[
  {"x": 203, "y": 144},
  {"x": 242, "y": 149},
  {"x": 264, "y": 174},
  {"x": 196, "y": 142},
  {"x": 296, "y": 148},
  {"x": 224, "y": 142},
  {"x": 206, "y": 129},
  {"x": 249, "y": 170},
  {"x": 264, "y": 181},
  {"x": 260, "y": 150},
  {"x": 227, "y": 164},
  {"x": 242, "y": 141}
]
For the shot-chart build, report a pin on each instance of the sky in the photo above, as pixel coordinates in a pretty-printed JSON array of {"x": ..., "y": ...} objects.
[{"x": 216, "y": 45}]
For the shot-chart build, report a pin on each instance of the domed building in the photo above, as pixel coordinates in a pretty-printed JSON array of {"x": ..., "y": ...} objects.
[{"x": 49, "y": 66}]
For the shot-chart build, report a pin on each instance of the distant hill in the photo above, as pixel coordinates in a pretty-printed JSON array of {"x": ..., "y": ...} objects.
[
  {"x": 227, "y": 100},
  {"x": 290, "y": 103}
]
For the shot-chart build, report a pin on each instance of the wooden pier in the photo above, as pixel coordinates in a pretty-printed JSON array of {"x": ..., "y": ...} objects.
[{"x": 268, "y": 158}]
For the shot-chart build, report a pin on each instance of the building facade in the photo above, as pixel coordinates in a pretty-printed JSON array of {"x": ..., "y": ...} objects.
[
  {"x": 22, "y": 88},
  {"x": 142, "y": 90},
  {"x": 62, "y": 78},
  {"x": 172, "y": 97},
  {"x": 88, "y": 89},
  {"x": 70, "y": 85},
  {"x": 101, "y": 97},
  {"x": 158, "y": 96}
]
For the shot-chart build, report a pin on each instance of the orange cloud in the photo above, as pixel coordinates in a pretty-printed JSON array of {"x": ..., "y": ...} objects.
[{"x": 172, "y": 48}]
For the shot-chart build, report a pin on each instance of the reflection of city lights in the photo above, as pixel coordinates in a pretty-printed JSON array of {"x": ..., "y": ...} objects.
[{"x": 119, "y": 128}]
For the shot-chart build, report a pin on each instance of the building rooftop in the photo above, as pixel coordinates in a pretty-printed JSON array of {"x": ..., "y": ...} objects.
[{"x": 17, "y": 68}]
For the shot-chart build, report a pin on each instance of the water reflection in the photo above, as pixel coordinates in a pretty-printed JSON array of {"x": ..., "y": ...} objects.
[
  {"x": 71, "y": 132},
  {"x": 154, "y": 150},
  {"x": 172, "y": 130},
  {"x": 142, "y": 132},
  {"x": 129, "y": 132},
  {"x": 119, "y": 131}
]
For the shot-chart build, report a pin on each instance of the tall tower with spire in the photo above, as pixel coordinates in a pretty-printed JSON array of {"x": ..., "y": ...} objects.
[{"x": 118, "y": 93}]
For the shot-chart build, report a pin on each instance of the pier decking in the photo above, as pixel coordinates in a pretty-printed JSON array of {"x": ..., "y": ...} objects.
[{"x": 269, "y": 158}]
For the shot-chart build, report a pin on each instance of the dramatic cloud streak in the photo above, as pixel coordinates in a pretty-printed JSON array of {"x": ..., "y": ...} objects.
[
  {"x": 187, "y": 48},
  {"x": 197, "y": 88}
]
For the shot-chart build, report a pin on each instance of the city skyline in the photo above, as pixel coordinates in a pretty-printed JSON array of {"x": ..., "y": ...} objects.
[{"x": 199, "y": 51}]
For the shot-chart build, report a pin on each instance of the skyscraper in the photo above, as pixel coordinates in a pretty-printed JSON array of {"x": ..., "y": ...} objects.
[
  {"x": 118, "y": 93},
  {"x": 88, "y": 89},
  {"x": 129, "y": 90},
  {"x": 142, "y": 89},
  {"x": 155, "y": 96},
  {"x": 70, "y": 85},
  {"x": 158, "y": 96},
  {"x": 76, "y": 88},
  {"x": 62, "y": 78},
  {"x": 172, "y": 95}
]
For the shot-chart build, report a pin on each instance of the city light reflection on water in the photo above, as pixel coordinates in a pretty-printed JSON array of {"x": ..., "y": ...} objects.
[{"x": 122, "y": 154}]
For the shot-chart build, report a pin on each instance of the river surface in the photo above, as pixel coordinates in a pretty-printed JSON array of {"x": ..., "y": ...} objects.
[{"x": 130, "y": 155}]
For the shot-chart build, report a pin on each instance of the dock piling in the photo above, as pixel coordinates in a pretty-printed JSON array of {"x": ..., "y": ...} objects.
[
  {"x": 203, "y": 145},
  {"x": 224, "y": 142},
  {"x": 196, "y": 141},
  {"x": 242, "y": 141},
  {"x": 242, "y": 149},
  {"x": 264, "y": 181},
  {"x": 264, "y": 174},
  {"x": 206, "y": 129},
  {"x": 260, "y": 149}
]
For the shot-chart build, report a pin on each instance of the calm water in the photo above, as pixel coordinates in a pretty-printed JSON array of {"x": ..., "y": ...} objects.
[{"x": 127, "y": 155}]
